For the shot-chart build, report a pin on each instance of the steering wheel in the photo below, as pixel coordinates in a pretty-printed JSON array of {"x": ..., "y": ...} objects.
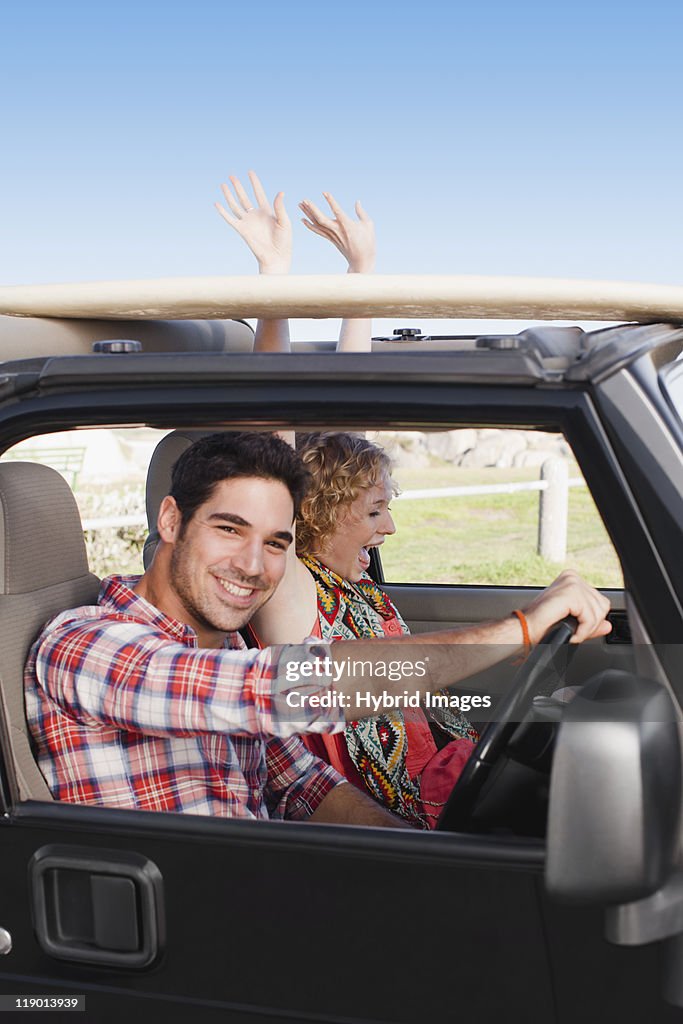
[{"x": 529, "y": 681}]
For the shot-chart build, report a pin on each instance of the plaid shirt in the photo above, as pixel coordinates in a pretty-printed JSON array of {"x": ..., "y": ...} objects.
[{"x": 126, "y": 710}]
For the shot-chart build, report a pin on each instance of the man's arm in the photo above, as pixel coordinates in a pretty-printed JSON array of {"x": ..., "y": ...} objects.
[
  {"x": 124, "y": 674},
  {"x": 346, "y": 805},
  {"x": 355, "y": 240},
  {"x": 449, "y": 656},
  {"x": 268, "y": 232},
  {"x": 302, "y": 787}
]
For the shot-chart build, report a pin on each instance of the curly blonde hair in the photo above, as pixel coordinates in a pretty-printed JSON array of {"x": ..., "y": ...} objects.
[{"x": 341, "y": 466}]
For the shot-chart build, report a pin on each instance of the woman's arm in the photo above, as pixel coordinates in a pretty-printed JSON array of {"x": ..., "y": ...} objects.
[
  {"x": 355, "y": 240},
  {"x": 268, "y": 232},
  {"x": 292, "y": 612}
]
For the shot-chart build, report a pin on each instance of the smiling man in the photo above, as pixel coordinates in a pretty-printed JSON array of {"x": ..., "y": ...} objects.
[
  {"x": 227, "y": 552},
  {"x": 151, "y": 700}
]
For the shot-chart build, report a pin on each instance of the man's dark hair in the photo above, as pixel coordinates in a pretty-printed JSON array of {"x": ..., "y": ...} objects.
[{"x": 229, "y": 456}]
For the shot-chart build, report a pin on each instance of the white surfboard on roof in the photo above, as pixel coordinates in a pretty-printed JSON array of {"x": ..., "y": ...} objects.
[{"x": 354, "y": 295}]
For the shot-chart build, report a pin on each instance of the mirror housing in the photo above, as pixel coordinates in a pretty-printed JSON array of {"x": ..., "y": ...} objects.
[{"x": 615, "y": 792}]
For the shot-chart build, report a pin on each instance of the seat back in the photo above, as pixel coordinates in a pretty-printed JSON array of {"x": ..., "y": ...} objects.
[{"x": 43, "y": 571}]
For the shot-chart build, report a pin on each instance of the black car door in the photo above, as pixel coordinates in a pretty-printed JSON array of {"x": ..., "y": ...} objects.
[{"x": 272, "y": 921}]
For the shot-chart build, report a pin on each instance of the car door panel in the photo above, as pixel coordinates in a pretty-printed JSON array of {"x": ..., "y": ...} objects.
[
  {"x": 328, "y": 923},
  {"x": 594, "y": 981},
  {"x": 426, "y": 607},
  {"x": 260, "y": 917}
]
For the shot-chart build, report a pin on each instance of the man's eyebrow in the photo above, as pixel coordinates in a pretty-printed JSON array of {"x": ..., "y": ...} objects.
[
  {"x": 284, "y": 535},
  {"x": 229, "y": 517}
]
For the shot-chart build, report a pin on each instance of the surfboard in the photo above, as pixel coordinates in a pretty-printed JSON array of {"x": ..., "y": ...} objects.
[{"x": 352, "y": 295}]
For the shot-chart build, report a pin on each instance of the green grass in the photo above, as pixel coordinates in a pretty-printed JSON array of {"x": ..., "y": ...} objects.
[{"x": 490, "y": 539}]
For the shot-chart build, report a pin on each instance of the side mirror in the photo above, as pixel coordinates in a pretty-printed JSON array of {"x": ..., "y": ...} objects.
[{"x": 615, "y": 792}]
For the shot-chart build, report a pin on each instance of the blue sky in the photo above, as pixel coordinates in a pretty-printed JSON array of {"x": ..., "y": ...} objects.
[{"x": 510, "y": 138}]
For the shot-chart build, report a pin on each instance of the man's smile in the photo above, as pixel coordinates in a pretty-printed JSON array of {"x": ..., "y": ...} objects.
[{"x": 236, "y": 589}]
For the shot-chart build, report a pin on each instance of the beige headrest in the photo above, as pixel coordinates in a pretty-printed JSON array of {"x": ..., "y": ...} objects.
[{"x": 36, "y": 504}]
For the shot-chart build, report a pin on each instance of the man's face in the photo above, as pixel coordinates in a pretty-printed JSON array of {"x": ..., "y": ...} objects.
[{"x": 231, "y": 555}]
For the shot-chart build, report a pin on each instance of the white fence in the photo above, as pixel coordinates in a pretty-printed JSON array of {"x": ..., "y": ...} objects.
[{"x": 553, "y": 511}]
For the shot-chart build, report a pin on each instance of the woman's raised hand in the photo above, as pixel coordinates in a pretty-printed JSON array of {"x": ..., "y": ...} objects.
[
  {"x": 266, "y": 229},
  {"x": 355, "y": 239}
]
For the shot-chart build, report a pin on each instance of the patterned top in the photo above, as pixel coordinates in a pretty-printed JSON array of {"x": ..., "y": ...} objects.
[
  {"x": 378, "y": 746},
  {"x": 125, "y": 710}
]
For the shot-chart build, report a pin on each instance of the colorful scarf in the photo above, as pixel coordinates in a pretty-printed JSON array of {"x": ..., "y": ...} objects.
[{"x": 377, "y": 746}]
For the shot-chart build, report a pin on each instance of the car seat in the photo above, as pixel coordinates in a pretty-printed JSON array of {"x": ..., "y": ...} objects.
[{"x": 43, "y": 571}]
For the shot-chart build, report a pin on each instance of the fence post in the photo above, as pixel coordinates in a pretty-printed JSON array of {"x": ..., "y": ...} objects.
[{"x": 553, "y": 510}]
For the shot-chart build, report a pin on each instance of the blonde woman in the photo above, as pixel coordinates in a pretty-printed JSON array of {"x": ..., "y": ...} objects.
[{"x": 409, "y": 760}]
